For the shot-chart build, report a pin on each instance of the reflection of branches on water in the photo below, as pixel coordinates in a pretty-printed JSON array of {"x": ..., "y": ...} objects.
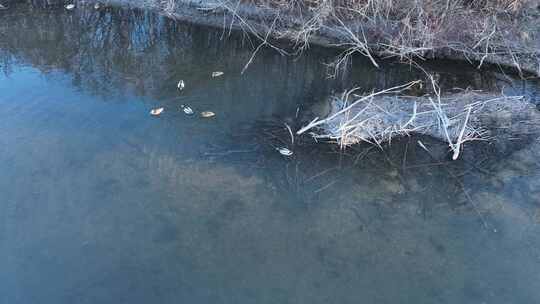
[
  {"x": 110, "y": 48},
  {"x": 113, "y": 50},
  {"x": 6, "y": 61}
]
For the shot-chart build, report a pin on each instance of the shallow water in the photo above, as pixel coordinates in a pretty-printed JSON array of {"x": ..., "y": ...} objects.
[{"x": 102, "y": 203}]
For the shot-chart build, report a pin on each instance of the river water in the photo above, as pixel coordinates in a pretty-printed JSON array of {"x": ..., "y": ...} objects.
[{"x": 102, "y": 203}]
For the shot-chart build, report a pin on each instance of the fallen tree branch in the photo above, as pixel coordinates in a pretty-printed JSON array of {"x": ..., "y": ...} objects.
[{"x": 316, "y": 122}]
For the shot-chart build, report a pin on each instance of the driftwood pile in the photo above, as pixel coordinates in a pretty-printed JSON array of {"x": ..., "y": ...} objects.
[{"x": 455, "y": 118}]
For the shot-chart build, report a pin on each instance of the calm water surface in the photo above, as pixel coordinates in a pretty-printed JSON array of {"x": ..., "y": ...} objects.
[{"x": 101, "y": 203}]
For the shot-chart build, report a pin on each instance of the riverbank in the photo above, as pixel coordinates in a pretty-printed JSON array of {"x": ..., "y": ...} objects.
[{"x": 506, "y": 34}]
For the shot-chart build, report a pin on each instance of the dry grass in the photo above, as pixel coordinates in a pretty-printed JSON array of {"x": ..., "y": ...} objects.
[{"x": 478, "y": 30}]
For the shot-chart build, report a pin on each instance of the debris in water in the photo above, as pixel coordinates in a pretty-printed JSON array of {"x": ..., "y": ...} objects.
[
  {"x": 290, "y": 132},
  {"x": 181, "y": 85},
  {"x": 70, "y": 7},
  {"x": 284, "y": 151},
  {"x": 207, "y": 114},
  {"x": 187, "y": 110},
  {"x": 217, "y": 74},
  {"x": 97, "y": 6},
  {"x": 423, "y": 146},
  {"x": 156, "y": 112},
  {"x": 3, "y": 7}
]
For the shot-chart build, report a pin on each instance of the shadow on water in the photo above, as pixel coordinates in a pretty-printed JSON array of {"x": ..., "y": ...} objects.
[{"x": 102, "y": 203}]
